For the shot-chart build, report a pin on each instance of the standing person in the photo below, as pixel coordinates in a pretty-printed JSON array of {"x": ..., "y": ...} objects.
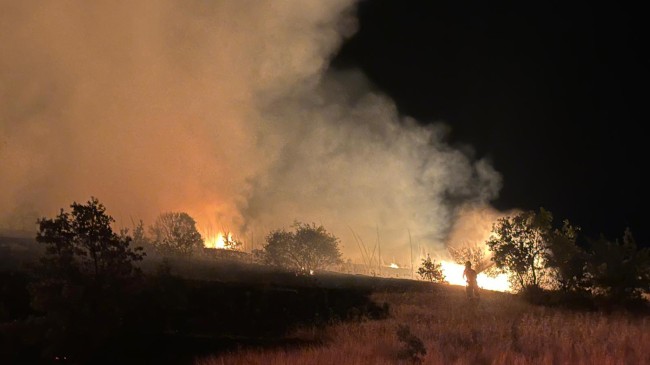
[{"x": 469, "y": 275}]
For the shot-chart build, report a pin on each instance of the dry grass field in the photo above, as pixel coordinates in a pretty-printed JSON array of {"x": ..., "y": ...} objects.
[
  {"x": 426, "y": 323},
  {"x": 500, "y": 329}
]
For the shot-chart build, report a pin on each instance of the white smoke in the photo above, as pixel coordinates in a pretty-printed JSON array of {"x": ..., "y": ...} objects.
[{"x": 223, "y": 109}]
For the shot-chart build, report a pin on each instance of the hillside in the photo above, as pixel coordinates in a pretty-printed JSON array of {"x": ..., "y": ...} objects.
[
  {"x": 437, "y": 325},
  {"x": 222, "y": 311}
]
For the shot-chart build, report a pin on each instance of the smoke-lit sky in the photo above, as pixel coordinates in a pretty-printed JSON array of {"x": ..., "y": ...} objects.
[
  {"x": 554, "y": 94},
  {"x": 227, "y": 110}
]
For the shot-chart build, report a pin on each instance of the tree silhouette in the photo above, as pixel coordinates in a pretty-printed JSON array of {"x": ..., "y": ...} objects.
[
  {"x": 566, "y": 260},
  {"x": 83, "y": 241},
  {"x": 619, "y": 269},
  {"x": 84, "y": 279},
  {"x": 527, "y": 248},
  {"x": 175, "y": 232},
  {"x": 307, "y": 248},
  {"x": 431, "y": 271}
]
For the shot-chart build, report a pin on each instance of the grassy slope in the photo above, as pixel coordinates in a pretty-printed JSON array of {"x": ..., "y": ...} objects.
[{"x": 501, "y": 329}]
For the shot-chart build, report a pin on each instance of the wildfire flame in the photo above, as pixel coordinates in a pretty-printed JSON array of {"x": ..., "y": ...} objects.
[
  {"x": 454, "y": 275},
  {"x": 218, "y": 241}
]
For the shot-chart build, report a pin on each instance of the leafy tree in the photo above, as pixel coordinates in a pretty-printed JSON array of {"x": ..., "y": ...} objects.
[
  {"x": 566, "y": 260},
  {"x": 520, "y": 244},
  {"x": 83, "y": 242},
  {"x": 619, "y": 269},
  {"x": 175, "y": 232},
  {"x": 84, "y": 279},
  {"x": 533, "y": 254},
  {"x": 307, "y": 248},
  {"x": 431, "y": 271}
]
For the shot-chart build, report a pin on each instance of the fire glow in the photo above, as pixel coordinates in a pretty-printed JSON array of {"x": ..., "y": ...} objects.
[
  {"x": 218, "y": 241},
  {"x": 454, "y": 275}
]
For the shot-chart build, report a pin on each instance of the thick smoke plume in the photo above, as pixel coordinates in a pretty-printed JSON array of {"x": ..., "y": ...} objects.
[{"x": 224, "y": 109}]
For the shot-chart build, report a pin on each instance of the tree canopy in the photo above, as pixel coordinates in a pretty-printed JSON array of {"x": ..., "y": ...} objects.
[
  {"x": 83, "y": 240},
  {"x": 526, "y": 247},
  {"x": 620, "y": 270},
  {"x": 431, "y": 270},
  {"x": 175, "y": 232},
  {"x": 566, "y": 260},
  {"x": 306, "y": 248}
]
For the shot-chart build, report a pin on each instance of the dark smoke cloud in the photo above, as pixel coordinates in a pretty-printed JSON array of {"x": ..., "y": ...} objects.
[{"x": 224, "y": 109}]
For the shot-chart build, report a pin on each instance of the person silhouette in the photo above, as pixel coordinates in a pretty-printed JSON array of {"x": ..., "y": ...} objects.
[{"x": 469, "y": 275}]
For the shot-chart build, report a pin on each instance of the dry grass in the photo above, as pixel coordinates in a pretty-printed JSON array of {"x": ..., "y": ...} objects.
[{"x": 501, "y": 329}]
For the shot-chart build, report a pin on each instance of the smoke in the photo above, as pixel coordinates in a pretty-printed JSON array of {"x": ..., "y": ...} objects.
[
  {"x": 473, "y": 227},
  {"x": 223, "y": 109}
]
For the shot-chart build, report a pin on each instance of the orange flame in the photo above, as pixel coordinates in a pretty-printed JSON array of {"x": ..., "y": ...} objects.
[
  {"x": 454, "y": 275},
  {"x": 218, "y": 241}
]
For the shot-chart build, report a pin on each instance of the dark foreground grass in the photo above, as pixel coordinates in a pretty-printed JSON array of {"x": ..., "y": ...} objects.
[{"x": 501, "y": 329}]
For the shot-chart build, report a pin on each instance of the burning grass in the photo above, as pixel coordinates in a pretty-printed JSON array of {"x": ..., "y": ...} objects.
[{"x": 501, "y": 329}]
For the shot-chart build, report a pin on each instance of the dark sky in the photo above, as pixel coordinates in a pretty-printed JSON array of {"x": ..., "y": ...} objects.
[{"x": 553, "y": 93}]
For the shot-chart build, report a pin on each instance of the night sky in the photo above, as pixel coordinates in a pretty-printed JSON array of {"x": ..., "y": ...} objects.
[{"x": 554, "y": 94}]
